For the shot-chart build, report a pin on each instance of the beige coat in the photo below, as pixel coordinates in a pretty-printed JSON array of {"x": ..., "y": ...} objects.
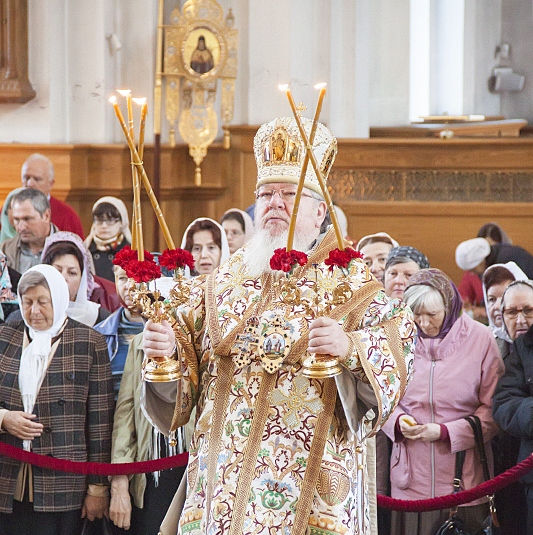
[{"x": 131, "y": 430}]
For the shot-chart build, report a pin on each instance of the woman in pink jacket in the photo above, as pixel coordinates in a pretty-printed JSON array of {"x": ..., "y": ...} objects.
[{"x": 456, "y": 369}]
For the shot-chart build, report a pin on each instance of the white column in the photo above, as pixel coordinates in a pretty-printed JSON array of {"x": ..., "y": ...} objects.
[
  {"x": 447, "y": 57},
  {"x": 483, "y": 25},
  {"x": 389, "y": 62},
  {"x": 419, "y": 59},
  {"x": 86, "y": 71},
  {"x": 269, "y": 57}
]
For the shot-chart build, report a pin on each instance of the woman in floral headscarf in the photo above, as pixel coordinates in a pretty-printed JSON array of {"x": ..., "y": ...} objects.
[
  {"x": 89, "y": 300},
  {"x": 457, "y": 365}
]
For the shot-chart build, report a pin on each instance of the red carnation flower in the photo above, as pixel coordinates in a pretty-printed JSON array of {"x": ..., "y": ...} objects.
[
  {"x": 286, "y": 261},
  {"x": 127, "y": 254},
  {"x": 173, "y": 259},
  {"x": 142, "y": 270},
  {"x": 341, "y": 259}
]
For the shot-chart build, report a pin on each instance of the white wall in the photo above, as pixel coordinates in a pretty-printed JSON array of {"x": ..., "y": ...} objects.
[
  {"x": 360, "y": 47},
  {"x": 517, "y": 30}
]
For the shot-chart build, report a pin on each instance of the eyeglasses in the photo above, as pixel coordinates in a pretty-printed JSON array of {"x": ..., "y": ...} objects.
[
  {"x": 512, "y": 313},
  {"x": 287, "y": 196},
  {"x": 111, "y": 221}
]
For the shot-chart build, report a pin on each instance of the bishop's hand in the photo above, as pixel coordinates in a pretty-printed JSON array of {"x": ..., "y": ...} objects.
[
  {"x": 326, "y": 337},
  {"x": 159, "y": 339}
]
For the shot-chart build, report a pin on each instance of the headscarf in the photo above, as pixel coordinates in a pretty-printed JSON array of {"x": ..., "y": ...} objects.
[
  {"x": 6, "y": 294},
  {"x": 453, "y": 304},
  {"x": 379, "y": 237},
  {"x": 82, "y": 310},
  {"x": 519, "y": 275},
  {"x": 248, "y": 223},
  {"x": 503, "y": 234},
  {"x": 7, "y": 230},
  {"x": 224, "y": 250},
  {"x": 121, "y": 207},
  {"x": 525, "y": 282},
  {"x": 35, "y": 356},
  {"x": 408, "y": 252}
]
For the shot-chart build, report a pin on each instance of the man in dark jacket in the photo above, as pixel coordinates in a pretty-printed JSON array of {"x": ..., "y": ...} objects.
[{"x": 512, "y": 404}]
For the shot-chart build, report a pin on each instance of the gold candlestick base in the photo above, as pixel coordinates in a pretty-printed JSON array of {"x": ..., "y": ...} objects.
[
  {"x": 163, "y": 370},
  {"x": 321, "y": 366}
]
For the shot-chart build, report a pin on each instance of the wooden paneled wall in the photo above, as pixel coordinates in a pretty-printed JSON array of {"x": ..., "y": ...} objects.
[{"x": 429, "y": 193}]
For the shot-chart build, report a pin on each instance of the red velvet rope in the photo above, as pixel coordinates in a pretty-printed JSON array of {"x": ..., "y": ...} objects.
[
  {"x": 97, "y": 469},
  {"x": 106, "y": 469},
  {"x": 465, "y": 496}
]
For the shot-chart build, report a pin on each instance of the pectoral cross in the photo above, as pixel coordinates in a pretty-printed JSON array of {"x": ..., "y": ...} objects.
[
  {"x": 245, "y": 349},
  {"x": 297, "y": 402}
]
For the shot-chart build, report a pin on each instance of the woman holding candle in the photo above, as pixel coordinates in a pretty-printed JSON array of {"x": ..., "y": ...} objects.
[
  {"x": 429, "y": 426},
  {"x": 109, "y": 234}
]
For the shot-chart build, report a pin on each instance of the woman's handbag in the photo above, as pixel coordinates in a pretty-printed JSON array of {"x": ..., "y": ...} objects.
[
  {"x": 100, "y": 526},
  {"x": 454, "y": 525},
  {"x": 490, "y": 525}
]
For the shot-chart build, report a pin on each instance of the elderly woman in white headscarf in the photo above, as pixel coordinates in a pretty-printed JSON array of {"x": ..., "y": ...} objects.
[
  {"x": 206, "y": 240},
  {"x": 496, "y": 279},
  {"x": 109, "y": 234},
  {"x": 56, "y": 400},
  {"x": 238, "y": 226}
]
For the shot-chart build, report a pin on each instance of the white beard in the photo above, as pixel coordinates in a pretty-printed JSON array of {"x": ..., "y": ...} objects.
[{"x": 260, "y": 248}]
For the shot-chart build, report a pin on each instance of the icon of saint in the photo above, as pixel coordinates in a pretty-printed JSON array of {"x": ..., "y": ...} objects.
[
  {"x": 278, "y": 145},
  {"x": 293, "y": 152},
  {"x": 201, "y": 59}
]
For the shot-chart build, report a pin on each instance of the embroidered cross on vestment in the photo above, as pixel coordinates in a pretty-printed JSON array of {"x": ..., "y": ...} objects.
[{"x": 297, "y": 402}]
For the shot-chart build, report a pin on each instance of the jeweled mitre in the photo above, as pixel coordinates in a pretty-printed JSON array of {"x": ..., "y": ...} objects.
[{"x": 280, "y": 151}]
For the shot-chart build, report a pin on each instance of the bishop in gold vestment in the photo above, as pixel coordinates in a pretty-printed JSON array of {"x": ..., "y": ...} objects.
[{"x": 274, "y": 451}]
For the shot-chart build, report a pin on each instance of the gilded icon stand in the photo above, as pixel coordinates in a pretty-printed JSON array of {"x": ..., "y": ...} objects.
[{"x": 200, "y": 50}]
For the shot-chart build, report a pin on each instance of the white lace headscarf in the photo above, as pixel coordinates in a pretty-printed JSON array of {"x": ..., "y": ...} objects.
[{"x": 519, "y": 275}]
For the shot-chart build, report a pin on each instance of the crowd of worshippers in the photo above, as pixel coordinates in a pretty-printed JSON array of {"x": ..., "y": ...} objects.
[{"x": 59, "y": 289}]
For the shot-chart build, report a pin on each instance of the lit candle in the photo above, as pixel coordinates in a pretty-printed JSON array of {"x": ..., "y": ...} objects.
[
  {"x": 127, "y": 93},
  {"x": 137, "y": 235},
  {"x": 144, "y": 110},
  {"x": 136, "y": 238},
  {"x": 137, "y": 160},
  {"x": 140, "y": 149},
  {"x": 309, "y": 154}
]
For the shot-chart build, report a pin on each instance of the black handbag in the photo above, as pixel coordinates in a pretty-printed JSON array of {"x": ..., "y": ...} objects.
[
  {"x": 100, "y": 526},
  {"x": 490, "y": 525},
  {"x": 454, "y": 525}
]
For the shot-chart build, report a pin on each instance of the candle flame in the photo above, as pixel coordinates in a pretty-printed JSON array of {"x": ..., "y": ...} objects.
[
  {"x": 124, "y": 92},
  {"x": 140, "y": 101},
  {"x": 112, "y": 99},
  {"x": 321, "y": 85},
  {"x": 283, "y": 87}
]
